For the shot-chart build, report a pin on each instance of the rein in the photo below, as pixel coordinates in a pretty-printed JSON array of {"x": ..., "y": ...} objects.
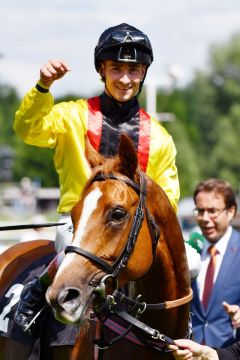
[
  {"x": 117, "y": 302},
  {"x": 28, "y": 226}
]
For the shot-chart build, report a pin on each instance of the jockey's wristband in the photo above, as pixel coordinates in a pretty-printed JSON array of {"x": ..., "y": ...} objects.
[{"x": 41, "y": 88}]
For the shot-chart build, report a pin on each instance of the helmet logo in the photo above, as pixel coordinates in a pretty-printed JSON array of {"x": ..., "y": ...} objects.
[
  {"x": 128, "y": 38},
  {"x": 127, "y": 54}
]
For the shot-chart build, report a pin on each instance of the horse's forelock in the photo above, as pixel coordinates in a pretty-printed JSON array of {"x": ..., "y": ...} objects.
[{"x": 109, "y": 166}]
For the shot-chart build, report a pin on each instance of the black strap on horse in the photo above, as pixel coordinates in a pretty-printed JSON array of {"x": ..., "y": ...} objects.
[
  {"x": 147, "y": 330},
  {"x": 146, "y": 335},
  {"x": 102, "y": 343},
  {"x": 117, "y": 303},
  {"x": 149, "y": 336},
  {"x": 29, "y": 226},
  {"x": 121, "y": 298}
]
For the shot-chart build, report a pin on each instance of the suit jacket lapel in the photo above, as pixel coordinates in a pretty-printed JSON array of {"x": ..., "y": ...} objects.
[
  {"x": 228, "y": 257},
  {"x": 197, "y": 302}
]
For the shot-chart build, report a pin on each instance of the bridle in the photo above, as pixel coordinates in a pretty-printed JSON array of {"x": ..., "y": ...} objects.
[
  {"x": 123, "y": 258},
  {"x": 117, "y": 302}
]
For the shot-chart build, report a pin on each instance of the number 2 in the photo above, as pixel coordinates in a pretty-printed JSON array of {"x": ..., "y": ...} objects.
[{"x": 14, "y": 290}]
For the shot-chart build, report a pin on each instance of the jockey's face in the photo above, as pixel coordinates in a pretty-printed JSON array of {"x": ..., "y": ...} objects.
[
  {"x": 213, "y": 217},
  {"x": 122, "y": 80}
]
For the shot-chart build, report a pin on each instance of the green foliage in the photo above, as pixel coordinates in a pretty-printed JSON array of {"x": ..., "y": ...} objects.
[
  {"x": 225, "y": 160},
  {"x": 224, "y": 73},
  {"x": 36, "y": 163},
  {"x": 28, "y": 161},
  {"x": 8, "y": 103},
  {"x": 186, "y": 160},
  {"x": 214, "y": 112},
  {"x": 206, "y": 128}
]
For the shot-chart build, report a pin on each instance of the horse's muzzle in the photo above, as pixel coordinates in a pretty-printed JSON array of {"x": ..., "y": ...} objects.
[{"x": 69, "y": 300}]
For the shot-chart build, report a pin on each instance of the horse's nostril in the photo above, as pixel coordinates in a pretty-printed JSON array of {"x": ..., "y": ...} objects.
[
  {"x": 69, "y": 298},
  {"x": 72, "y": 294}
]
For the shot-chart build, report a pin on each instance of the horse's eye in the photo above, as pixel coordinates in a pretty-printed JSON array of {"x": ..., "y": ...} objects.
[{"x": 117, "y": 215}]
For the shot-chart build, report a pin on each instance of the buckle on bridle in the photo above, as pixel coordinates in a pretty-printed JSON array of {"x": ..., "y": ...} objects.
[
  {"x": 103, "y": 347},
  {"x": 158, "y": 336},
  {"x": 141, "y": 310},
  {"x": 165, "y": 339},
  {"x": 101, "y": 288}
]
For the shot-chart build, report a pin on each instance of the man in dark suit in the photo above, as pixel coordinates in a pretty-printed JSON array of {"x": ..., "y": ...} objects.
[{"x": 218, "y": 283}]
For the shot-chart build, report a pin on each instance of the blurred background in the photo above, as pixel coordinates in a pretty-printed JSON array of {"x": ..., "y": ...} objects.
[{"x": 193, "y": 88}]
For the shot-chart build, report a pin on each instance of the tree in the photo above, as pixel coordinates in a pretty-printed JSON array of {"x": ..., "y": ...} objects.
[
  {"x": 212, "y": 113},
  {"x": 9, "y": 101},
  {"x": 16, "y": 158},
  {"x": 36, "y": 163},
  {"x": 225, "y": 160},
  {"x": 187, "y": 164}
]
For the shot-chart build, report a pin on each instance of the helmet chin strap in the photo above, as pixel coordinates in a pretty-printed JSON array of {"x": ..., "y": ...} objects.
[{"x": 142, "y": 81}]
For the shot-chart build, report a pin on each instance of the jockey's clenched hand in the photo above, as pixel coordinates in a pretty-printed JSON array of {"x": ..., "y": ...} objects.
[{"x": 53, "y": 70}]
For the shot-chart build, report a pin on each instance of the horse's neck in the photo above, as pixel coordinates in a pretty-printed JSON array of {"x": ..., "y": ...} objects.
[
  {"x": 158, "y": 286},
  {"x": 160, "y": 283},
  {"x": 172, "y": 256},
  {"x": 168, "y": 279},
  {"x": 172, "y": 267}
]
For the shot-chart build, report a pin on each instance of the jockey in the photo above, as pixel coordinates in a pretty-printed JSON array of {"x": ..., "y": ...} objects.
[{"x": 122, "y": 57}]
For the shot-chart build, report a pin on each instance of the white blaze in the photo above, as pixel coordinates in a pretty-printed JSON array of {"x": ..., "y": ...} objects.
[{"x": 89, "y": 205}]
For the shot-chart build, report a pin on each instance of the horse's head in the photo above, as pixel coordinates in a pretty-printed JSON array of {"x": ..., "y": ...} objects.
[
  {"x": 116, "y": 233},
  {"x": 103, "y": 222}
]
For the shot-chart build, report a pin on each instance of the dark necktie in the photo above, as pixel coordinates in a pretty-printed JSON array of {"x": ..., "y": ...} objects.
[{"x": 208, "y": 284}]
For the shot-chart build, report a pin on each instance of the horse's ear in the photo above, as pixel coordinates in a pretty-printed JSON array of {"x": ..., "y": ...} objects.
[
  {"x": 92, "y": 156},
  {"x": 127, "y": 156}
]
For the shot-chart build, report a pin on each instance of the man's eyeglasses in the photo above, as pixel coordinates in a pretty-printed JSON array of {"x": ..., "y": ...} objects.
[{"x": 213, "y": 213}]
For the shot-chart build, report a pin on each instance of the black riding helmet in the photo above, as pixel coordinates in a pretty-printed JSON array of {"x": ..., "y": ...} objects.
[{"x": 123, "y": 43}]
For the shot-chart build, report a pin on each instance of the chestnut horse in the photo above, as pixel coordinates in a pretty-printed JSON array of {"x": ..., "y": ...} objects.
[{"x": 126, "y": 236}]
